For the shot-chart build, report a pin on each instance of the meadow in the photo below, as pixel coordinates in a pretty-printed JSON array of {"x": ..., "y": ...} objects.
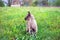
[{"x": 13, "y": 25}]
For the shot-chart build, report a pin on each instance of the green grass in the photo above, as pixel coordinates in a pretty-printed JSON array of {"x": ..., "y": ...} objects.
[{"x": 13, "y": 25}]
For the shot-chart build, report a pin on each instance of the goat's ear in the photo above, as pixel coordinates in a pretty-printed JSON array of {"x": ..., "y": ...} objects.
[{"x": 29, "y": 13}]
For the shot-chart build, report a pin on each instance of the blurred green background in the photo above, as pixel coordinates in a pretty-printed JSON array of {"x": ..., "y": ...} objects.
[{"x": 13, "y": 25}]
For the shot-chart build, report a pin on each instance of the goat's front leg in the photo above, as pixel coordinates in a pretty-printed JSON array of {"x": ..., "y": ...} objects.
[{"x": 29, "y": 30}]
